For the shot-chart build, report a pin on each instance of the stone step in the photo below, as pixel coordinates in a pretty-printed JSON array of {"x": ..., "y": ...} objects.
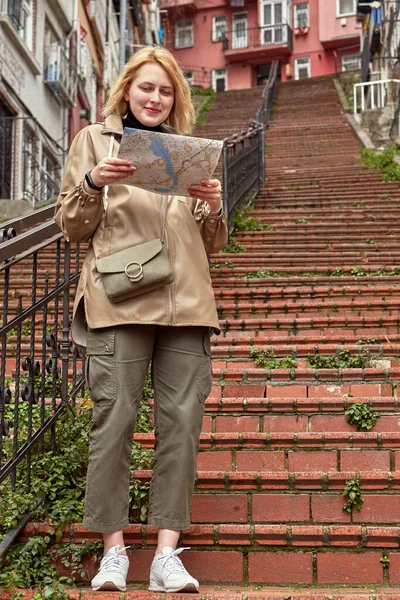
[{"x": 237, "y": 592}]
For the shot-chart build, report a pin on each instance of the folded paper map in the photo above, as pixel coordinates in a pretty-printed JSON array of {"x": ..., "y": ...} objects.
[{"x": 167, "y": 163}]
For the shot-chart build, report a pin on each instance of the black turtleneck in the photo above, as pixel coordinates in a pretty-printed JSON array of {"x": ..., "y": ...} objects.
[{"x": 131, "y": 121}]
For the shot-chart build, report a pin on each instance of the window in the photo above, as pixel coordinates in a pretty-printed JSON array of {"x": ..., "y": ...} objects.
[
  {"x": 219, "y": 82},
  {"x": 49, "y": 177},
  {"x": 184, "y": 34},
  {"x": 189, "y": 76},
  {"x": 218, "y": 28},
  {"x": 346, "y": 7},
  {"x": 302, "y": 68},
  {"x": 351, "y": 62},
  {"x": 301, "y": 15},
  {"x": 29, "y": 161},
  {"x": 20, "y": 14},
  {"x": 239, "y": 30}
]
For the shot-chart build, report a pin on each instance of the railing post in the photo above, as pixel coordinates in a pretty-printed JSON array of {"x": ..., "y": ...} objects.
[
  {"x": 225, "y": 180},
  {"x": 262, "y": 154}
]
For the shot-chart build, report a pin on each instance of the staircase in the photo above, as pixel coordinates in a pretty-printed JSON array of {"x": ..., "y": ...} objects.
[{"x": 276, "y": 449}]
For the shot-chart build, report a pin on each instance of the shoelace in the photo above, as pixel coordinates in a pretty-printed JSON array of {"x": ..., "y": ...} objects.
[
  {"x": 177, "y": 563},
  {"x": 113, "y": 562}
]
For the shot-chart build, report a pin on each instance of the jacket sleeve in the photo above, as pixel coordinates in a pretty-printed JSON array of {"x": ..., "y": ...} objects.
[
  {"x": 78, "y": 213},
  {"x": 213, "y": 228}
]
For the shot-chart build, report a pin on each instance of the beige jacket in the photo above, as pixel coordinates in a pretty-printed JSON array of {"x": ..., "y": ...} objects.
[{"x": 134, "y": 216}]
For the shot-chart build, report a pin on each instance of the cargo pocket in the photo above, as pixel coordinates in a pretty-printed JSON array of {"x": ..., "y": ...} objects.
[
  {"x": 204, "y": 381},
  {"x": 100, "y": 368}
]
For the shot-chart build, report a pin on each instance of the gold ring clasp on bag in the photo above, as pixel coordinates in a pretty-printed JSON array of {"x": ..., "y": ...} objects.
[{"x": 134, "y": 277}]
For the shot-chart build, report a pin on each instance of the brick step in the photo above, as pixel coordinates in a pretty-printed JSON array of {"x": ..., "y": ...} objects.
[
  {"x": 274, "y": 260},
  {"x": 323, "y": 447},
  {"x": 300, "y": 347},
  {"x": 346, "y": 307},
  {"x": 239, "y": 276},
  {"x": 379, "y": 243},
  {"x": 298, "y": 290},
  {"x": 293, "y": 423},
  {"x": 260, "y": 554},
  {"x": 277, "y": 403},
  {"x": 312, "y": 321},
  {"x": 237, "y": 592}
]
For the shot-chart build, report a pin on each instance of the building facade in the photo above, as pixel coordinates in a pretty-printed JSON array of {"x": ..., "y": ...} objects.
[{"x": 230, "y": 44}]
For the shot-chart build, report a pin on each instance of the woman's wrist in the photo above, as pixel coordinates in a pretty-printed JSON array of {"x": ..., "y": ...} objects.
[{"x": 214, "y": 211}]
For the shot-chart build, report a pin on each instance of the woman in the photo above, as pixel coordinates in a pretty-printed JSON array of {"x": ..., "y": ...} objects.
[{"x": 169, "y": 326}]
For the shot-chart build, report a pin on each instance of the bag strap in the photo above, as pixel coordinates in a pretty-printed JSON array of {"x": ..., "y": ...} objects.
[
  {"x": 105, "y": 194},
  {"x": 165, "y": 198}
]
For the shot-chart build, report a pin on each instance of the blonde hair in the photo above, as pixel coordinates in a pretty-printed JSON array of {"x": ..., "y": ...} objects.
[{"x": 182, "y": 115}]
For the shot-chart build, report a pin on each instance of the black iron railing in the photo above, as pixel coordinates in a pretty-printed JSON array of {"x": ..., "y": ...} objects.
[
  {"x": 244, "y": 154},
  {"x": 41, "y": 369},
  {"x": 257, "y": 37}
]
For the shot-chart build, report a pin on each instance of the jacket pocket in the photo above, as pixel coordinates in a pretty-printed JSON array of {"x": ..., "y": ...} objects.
[
  {"x": 100, "y": 367},
  {"x": 204, "y": 381}
]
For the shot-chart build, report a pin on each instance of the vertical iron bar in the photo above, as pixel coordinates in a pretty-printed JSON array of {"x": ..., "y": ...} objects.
[
  {"x": 65, "y": 330},
  {"x": 3, "y": 360},
  {"x": 17, "y": 388},
  {"x": 44, "y": 365}
]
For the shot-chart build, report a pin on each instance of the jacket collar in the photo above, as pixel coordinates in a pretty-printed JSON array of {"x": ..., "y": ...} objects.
[{"x": 113, "y": 124}]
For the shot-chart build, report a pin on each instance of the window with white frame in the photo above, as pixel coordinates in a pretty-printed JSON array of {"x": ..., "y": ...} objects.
[
  {"x": 351, "y": 62},
  {"x": 189, "y": 76},
  {"x": 346, "y": 7},
  {"x": 184, "y": 34},
  {"x": 218, "y": 27},
  {"x": 301, "y": 15},
  {"x": 302, "y": 68},
  {"x": 219, "y": 80},
  {"x": 21, "y": 17}
]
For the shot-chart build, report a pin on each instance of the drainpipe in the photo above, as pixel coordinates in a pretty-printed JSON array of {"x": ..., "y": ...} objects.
[{"x": 122, "y": 33}]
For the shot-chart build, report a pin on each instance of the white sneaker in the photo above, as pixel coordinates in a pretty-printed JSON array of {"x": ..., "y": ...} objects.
[
  {"x": 113, "y": 571},
  {"x": 167, "y": 573}
]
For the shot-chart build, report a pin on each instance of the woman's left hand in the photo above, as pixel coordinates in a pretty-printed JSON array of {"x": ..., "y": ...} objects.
[{"x": 208, "y": 190}]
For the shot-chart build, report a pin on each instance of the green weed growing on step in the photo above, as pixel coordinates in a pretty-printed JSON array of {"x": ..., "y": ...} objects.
[
  {"x": 359, "y": 204},
  {"x": 242, "y": 222},
  {"x": 362, "y": 416},
  {"x": 371, "y": 340},
  {"x": 352, "y": 491},
  {"x": 383, "y": 160},
  {"x": 359, "y": 272},
  {"x": 261, "y": 274},
  {"x": 268, "y": 360},
  {"x": 338, "y": 272},
  {"x": 229, "y": 264},
  {"x": 233, "y": 247},
  {"x": 211, "y": 95},
  {"x": 385, "y": 560},
  {"x": 342, "y": 359},
  {"x": 300, "y": 221}
]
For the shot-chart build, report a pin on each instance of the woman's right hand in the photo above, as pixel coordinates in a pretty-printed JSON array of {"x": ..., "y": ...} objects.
[{"x": 110, "y": 170}]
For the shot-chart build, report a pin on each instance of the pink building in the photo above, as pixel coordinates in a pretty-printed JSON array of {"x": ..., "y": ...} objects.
[{"x": 230, "y": 44}]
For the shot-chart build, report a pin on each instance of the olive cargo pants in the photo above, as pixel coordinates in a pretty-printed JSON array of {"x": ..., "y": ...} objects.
[{"x": 116, "y": 368}]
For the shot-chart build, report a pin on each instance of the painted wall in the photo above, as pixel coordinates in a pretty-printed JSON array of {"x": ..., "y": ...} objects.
[{"x": 330, "y": 26}]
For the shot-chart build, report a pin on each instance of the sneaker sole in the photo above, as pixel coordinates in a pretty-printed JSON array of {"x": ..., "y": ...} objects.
[
  {"x": 189, "y": 588},
  {"x": 109, "y": 586}
]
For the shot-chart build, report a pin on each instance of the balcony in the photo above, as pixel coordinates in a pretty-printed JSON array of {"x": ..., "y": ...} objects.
[
  {"x": 60, "y": 75},
  {"x": 179, "y": 5},
  {"x": 257, "y": 44}
]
